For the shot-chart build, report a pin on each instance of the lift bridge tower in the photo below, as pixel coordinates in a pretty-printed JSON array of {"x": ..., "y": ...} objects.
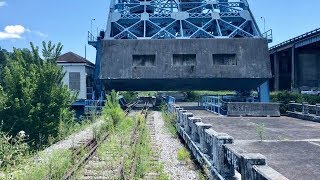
[{"x": 182, "y": 45}]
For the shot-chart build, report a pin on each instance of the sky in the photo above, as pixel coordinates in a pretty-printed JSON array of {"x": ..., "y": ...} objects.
[{"x": 68, "y": 21}]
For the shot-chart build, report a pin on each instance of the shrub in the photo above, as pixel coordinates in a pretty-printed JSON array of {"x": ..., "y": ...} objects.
[
  {"x": 37, "y": 101},
  {"x": 285, "y": 97},
  {"x": 112, "y": 111}
]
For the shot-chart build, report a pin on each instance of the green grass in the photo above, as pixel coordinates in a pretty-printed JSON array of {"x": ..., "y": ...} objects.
[
  {"x": 183, "y": 155},
  {"x": 53, "y": 167}
]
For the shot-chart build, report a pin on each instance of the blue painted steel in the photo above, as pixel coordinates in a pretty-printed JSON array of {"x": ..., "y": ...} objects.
[
  {"x": 93, "y": 106},
  {"x": 172, "y": 19},
  {"x": 171, "y": 100},
  {"x": 264, "y": 92},
  {"x": 97, "y": 43},
  {"x": 213, "y": 104}
]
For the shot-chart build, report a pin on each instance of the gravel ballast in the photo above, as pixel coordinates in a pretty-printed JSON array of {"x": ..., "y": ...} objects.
[{"x": 169, "y": 149}]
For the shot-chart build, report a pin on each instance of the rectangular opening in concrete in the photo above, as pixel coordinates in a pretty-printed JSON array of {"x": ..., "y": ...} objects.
[
  {"x": 224, "y": 59},
  {"x": 144, "y": 60},
  {"x": 184, "y": 59}
]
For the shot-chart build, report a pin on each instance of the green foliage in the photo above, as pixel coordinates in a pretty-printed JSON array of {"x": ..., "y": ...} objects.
[
  {"x": 261, "y": 130},
  {"x": 52, "y": 167},
  {"x": 12, "y": 150},
  {"x": 129, "y": 96},
  {"x": 169, "y": 121},
  {"x": 37, "y": 101},
  {"x": 193, "y": 96},
  {"x": 285, "y": 97},
  {"x": 112, "y": 111},
  {"x": 51, "y": 52},
  {"x": 183, "y": 155}
]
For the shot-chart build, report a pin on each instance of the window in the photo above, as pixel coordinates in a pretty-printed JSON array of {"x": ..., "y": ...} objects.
[
  {"x": 144, "y": 60},
  {"x": 74, "y": 81},
  {"x": 224, "y": 59},
  {"x": 184, "y": 59}
]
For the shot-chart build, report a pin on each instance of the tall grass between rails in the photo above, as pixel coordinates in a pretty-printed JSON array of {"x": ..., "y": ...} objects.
[{"x": 141, "y": 155}]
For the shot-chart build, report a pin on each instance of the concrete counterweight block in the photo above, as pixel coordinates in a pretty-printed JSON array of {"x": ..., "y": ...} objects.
[
  {"x": 317, "y": 109},
  {"x": 305, "y": 108},
  {"x": 193, "y": 127},
  {"x": 203, "y": 143},
  {"x": 185, "y": 118},
  {"x": 218, "y": 154},
  {"x": 248, "y": 161}
]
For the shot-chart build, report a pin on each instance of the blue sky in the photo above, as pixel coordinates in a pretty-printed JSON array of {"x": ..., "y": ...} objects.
[{"x": 67, "y": 21}]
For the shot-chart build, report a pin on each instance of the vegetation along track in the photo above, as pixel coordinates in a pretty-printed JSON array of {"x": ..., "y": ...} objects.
[{"x": 115, "y": 155}]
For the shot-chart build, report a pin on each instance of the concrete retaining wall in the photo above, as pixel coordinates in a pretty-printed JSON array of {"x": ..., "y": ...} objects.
[
  {"x": 217, "y": 152},
  {"x": 304, "y": 111},
  {"x": 253, "y": 109}
]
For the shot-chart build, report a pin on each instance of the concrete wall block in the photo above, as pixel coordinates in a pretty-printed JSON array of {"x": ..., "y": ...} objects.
[
  {"x": 248, "y": 161},
  {"x": 180, "y": 117},
  {"x": 221, "y": 165},
  {"x": 204, "y": 146},
  {"x": 317, "y": 109},
  {"x": 233, "y": 156},
  {"x": 305, "y": 108},
  {"x": 266, "y": 173},
  {"x": 186, "y": 126}
]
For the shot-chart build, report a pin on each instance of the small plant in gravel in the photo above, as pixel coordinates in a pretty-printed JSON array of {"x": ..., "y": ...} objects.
[
  {"x": 183, "y": 155},
  {"x": 261, "y": 129},
  {"x": 169, "y": 121}
]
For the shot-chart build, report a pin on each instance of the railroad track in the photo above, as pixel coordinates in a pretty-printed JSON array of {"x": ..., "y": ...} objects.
[
  {"x": 111, "y": 166},
  {"x": 155, "y": 151}
]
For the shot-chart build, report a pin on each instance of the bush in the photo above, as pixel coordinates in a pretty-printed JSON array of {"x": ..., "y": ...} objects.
[
  {"x": 112, "y": 111},
  {"x": 285, "y": 97},
  {"x": 37, "y": 101},
  {"x": 129, "y": 96}
]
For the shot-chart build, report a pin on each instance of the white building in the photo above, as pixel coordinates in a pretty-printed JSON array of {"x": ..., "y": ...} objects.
[{"x": 79, "y": 74}]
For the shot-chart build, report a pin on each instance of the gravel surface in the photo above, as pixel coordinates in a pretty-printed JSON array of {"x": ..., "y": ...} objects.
[
  {"x": 169, "y": 149},
  {"x": 74, "y": 140}
]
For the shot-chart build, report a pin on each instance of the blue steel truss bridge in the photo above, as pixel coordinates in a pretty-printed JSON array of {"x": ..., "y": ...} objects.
[{"x": 179, "y": 19}]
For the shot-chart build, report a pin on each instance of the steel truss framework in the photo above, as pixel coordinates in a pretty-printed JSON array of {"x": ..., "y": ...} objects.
[{"x": 180, "y": 19}]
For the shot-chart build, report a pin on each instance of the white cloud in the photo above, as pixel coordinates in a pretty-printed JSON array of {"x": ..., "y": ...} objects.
[
  {"x": 41, "y": 34},
  {"x": 3, "y": 3},
  {"x": 15, "y": 29},
  {"x": 4, "y": 35},
  {"x": 13, "y": 32}
]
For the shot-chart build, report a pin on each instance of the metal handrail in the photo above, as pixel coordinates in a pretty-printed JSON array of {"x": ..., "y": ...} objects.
[
  {"x": 308, "y": 34},
  {"x": 91, "y": 37}
]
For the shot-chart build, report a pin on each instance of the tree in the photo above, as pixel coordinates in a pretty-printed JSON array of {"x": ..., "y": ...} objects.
[
  {"x": 37, "y": 101},
  {"x": 51, "y": 52}
]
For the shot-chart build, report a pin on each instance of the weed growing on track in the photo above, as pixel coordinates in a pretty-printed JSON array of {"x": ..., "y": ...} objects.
[
  {"x": 183, "y": 155},
  {"x": 169, "y": 121}
]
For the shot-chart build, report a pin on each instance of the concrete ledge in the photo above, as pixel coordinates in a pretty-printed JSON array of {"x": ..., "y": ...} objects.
[
  {"x": 267, "y": 173},
  {"x": 217, "y": 152},
  {"x": 307, "y": 117},
  {"x": 253, "y": 109}
]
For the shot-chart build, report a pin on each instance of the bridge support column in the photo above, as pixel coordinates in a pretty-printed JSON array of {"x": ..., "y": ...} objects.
[{"x": 264, "y": 92}]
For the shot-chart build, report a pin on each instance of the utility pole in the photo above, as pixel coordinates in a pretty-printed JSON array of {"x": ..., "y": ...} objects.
[
  {"x": 264, "y": 24},
  {"x": 91, "y": 24}
]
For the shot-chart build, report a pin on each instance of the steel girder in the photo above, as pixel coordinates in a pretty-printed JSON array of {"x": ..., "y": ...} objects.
[{"x": 180, "y": 19}]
